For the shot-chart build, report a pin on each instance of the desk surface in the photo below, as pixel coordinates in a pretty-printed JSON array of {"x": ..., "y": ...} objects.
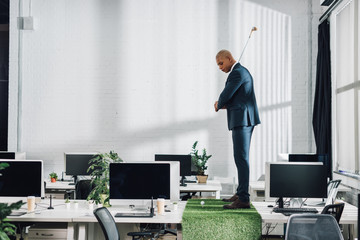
[
  {"x": 210, "y": 186},
  {"x": 59, "y": 185},
  {"x": 82, "y": 214},
  {"x": 349, "y": 215},
  {"x": 260, "y": 185}
]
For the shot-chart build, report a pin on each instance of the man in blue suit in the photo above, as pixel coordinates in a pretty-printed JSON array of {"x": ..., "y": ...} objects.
[{"x": 238, "y": 98}]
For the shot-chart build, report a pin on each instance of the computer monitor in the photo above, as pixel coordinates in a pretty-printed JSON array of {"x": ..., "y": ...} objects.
[
  {"x": 313, "y": 158},
  {"x": 185, "y": 164},
  {"x": 77, "y": 164},
  {"x": 22, "y": 179},
  {"x": 297, "y": 180},
  {"x": 144, "y": 181},
  {"x": 7, "y": 155}
]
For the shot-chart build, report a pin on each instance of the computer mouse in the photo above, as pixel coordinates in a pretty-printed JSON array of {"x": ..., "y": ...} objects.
[{"x": 270, "y": 206}]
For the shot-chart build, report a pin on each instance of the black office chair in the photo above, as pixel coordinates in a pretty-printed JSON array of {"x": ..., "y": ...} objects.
[
  {"x": 109, "y": 229},
  {"x": 107, "y": 223},
  {"x": 335, "y": 210},
  {"x": 312, "y": 227},
  {"x": 83, "y": 189}
]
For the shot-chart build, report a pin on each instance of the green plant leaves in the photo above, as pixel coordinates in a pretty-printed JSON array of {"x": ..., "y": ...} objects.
[
  {"x": 100, "y": 174},
  {"x": 199, "y": 161},
  {"x": 7, "y": 228}
]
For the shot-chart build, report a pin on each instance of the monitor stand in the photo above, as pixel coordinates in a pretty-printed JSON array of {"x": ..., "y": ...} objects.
[
  {"x": 75, "y": 180},
  {"x": 182, "y": 181},
  {"x": 280, "y": 201}
]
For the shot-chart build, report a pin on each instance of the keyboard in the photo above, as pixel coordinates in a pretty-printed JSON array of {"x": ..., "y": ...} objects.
[
  {"x": 290, "y": 211},
  {"x": 16, "y": 213},
  {"x": 190, "y": 181},
  {"x": 135, "y": 214}
]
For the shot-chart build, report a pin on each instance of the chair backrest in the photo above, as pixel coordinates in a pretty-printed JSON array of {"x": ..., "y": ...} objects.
[
  {"x": 333, "y": 184},
  {"x": 107, "y": 223},
  {"x": 332, "y": 190},
  {"x": 312, "y": 227},
  {"x": 83, "y": 189},
  {"x": 335, "y": 210}
]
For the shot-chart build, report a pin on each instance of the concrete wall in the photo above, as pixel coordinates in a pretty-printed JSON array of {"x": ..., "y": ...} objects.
[{"x": 140, "y": 77}]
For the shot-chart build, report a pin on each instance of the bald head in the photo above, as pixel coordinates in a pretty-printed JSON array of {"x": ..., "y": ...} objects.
[
  {"x": 225, "y": 60},
  {"x": 224, "y": 53}
]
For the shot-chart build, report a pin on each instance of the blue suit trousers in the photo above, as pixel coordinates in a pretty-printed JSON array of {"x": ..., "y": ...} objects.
[{"x": 241, "y": 137}]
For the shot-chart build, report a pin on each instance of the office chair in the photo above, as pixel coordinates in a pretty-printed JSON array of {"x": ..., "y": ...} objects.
[
  {"x": 83, "y": 189},
  {"x": 335, "y": 210},
  {"x": 109, "y": 229},
  {"x": 313, "y": 227},
  {"x": 107, "y": 223}
]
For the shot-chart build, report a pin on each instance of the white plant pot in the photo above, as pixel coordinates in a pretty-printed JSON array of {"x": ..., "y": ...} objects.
[
  {"x": 67, "y": 205},
  {"x": 91, "y": 206},
  {"x": 175, "y": 207},
  {"x": 76, "y": 205}
]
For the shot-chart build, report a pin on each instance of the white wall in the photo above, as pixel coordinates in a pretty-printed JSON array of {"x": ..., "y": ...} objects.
[{"x": 140, "y": 77}]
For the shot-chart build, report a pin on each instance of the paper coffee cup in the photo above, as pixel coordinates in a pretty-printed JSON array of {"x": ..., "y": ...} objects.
[
  {"x": 161, "y": 206},
  {"x": 31, "y": 203}
]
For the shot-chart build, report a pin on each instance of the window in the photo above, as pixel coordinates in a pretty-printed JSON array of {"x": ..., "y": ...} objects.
[{"x": 346, "y": 86}]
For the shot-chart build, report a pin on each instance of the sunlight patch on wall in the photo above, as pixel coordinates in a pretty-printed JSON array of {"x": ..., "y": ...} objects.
[{"x": 169, "y": 54}]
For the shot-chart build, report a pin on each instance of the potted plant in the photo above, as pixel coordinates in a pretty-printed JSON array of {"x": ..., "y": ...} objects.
[
  {"x": 100, "y": 176},
  {"x": 90, "y": 204},
  {"x": 6, "y": 228},
  {"x": 53, "y": 176},
  {"x": 67, "y": 203},
  {"x": 175, "y": 205},
  {"x": 200, "y": 162}
]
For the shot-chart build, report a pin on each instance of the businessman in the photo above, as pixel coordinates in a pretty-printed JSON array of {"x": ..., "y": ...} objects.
[{"x": 238, "y": 98}]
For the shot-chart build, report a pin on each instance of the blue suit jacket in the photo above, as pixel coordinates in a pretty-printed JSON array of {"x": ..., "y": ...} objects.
[{"x": 239, "y": 98}]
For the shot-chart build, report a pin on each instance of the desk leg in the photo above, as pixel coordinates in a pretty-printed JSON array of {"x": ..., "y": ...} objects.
[
  {"x": 81, "y": 231},
  {"x": 179, "y": 231},
  {"x": 351, "y": 231},
  {"x": 91, "y": 231},
  {"x": 71, "y": 231},
  {"x": 217, "y": 195}
]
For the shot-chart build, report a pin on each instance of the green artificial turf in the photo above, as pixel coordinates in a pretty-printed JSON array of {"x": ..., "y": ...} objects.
[{"x": 211, "y": 221}]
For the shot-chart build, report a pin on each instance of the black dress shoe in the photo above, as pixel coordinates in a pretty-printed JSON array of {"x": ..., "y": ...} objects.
[
  {"x": 232, "y": 199},
  {"x": 237, "y": 204}
]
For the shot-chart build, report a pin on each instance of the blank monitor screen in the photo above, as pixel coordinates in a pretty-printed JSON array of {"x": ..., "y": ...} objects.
[
  {"x": 78, "y": 163},
  {"x": 185, "y": 162},
  {"x": 21, "y": 179},
  {"x": 298, "y": 180},
  {"x": 139, "y": 180},
  {"x": 312, "y": 158},
  {"x": 7, "y": 155},
  {"x": 303, "y": 158}
]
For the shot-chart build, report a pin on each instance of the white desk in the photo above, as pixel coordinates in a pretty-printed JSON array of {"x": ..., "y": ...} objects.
[
  {"x": 210, "y": 186},
  {"x": 81, "y": 220},
  {"x": 59, "y": 185},
  {"x": 349, "y": 215},
  {"x": 257, "y": 190},
  {"x": 58, "y": 189}
]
